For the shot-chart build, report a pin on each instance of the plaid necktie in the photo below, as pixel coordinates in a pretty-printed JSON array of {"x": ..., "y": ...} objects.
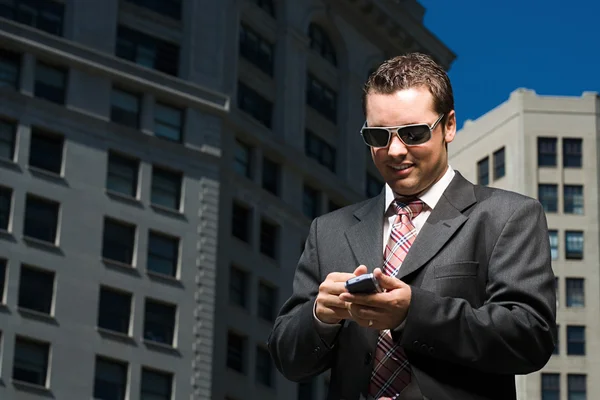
[{"x": 391, "y": 372}]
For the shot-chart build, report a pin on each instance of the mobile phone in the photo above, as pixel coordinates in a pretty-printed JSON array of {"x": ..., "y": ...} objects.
[{"x": 365, "y": 284}]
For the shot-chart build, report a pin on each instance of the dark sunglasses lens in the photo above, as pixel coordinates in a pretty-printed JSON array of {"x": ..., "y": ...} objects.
[
  {"x": 417, "y": 134},
  {"x": 376, "y": 137}
]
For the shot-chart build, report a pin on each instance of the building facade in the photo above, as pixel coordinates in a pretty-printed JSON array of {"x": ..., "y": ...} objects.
[
  {"x": 546, "y": 147},
  {"x": 160, "y": 163}
]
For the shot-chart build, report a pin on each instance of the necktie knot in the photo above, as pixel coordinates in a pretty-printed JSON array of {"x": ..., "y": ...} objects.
[{"x": 410, "y": 209}]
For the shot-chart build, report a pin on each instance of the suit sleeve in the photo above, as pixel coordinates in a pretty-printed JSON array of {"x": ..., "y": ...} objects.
[
  {"x": 301, "y": 347},
  {"x": 513, "y": 332}
]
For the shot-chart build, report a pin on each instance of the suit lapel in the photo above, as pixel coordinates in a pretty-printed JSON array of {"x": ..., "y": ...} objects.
[{"x": 366, "y": 236}]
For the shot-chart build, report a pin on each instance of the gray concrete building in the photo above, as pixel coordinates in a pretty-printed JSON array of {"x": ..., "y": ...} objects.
[
  {"x": 546, "y": 147},
  {"x": 160, "y": 163}
]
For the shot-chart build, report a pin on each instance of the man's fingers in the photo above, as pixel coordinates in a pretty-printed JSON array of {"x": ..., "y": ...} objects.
[
  {"x": 360, "y": 270},
  {"x": 387, "y": 282},
  {"x": 339, "y": 276}
]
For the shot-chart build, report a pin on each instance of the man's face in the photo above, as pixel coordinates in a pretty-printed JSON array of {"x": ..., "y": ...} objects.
[{"x": 410, "y": 170}]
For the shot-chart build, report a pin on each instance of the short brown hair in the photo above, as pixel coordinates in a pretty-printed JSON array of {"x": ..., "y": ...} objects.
[{"x": 409, "y": 71}]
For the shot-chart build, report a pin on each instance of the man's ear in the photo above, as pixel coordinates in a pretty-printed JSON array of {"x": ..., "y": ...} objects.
[{"x": 450, "y": 127}]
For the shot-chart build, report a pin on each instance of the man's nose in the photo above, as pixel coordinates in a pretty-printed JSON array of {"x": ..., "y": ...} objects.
[{"x": 397, "y": 147}]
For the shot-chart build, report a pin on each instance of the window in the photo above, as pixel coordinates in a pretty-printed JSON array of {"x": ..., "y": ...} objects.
[
  {"x": 5, "y": 207},
  {"x": 252, "y": 103},
  {"x": 266, "y": 5},
  {"x": 114, "y": 310},
  {"x": 573, "y": 195},
  {"x": 30, "y": 361},
  {"x": 159, "y": 322},
  {"x": 499, "y": 164},
  {"x": 557, "y": 336},
  {"x": 46, "y": 15},
  {"x": 147, "y": 51},
  {"x": 548, "y": 196},
  {"x": 320, "y": 42},
  {"x": 572, "y": 153},
  {"x": 8, "y": 138},
  {"x": 306, "y": 390},
  {"x": 575, "y": 292},
  {"x": 240, "y": 222},
  {"x": 556, "y": 290},
  {"x": 310, "y": 202},
  {"x": 168, "y": 122},
  {"x": 46, "y": 151},
  {"x": 321, "y": 98},
  {"x": 238, "y": 287},
  {"x": 576, "y": 340},
  {"x": 242, "y": 159},
  {"x": 320, "y": 150},
  {"x": 267, "y": 302},
  {"x": 373, "y": 186},
  {"x": 10, "y": 65},
  {"x": 41, "y": 219},
  {"x": 119, "y": 241},
  {"x": 156, "y": 385},
  {"x": 574, "y": 245},
  {"x": 36, "y": 289},
  {"x": 577, "y": 387},
  {"x": 50, "y": 83},
  {"x": 483, "y": 172},
  {"x": 256, "y": 49},
  {"x": 166, "y": 188},
  {"x": 163, "y": 254},
  {"x": 269, "y": 233},
  {"x": 2, "y": 279},
  {"x": 169, "y": 8},
  {"x": 553, "y": 236},
  {"x": 110, "y": 380},
  {"x": 546, "y": 152},
  {"x": 270, "y": 176},
  {"x": 236, "y": 352},
  {"x": 264, "y": 367},
  {"x": 122, "y": 175},
  {"x": 125, "y": 108},
  {"x": 550, "y": 387}
]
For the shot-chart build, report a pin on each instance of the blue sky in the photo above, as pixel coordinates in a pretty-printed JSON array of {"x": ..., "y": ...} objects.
[{"x": 550, "y": 46}]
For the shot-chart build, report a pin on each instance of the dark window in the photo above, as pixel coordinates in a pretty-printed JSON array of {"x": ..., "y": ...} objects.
[
  {"x": 320, "y": 150},
  {"x": 267, "y": 302},
  {"x": 242, "y": 159},
  {"x": 373, "y": 185},
  {"x": 546, "y": 152},
  {"x": 169, "y": 8},
  {"x": 148, "y": 51},
  {"x": 168, "y": 122},
  {"x": 264, "y": 367},
  {"x": 306, "y": 390},
  {"x": 46, "y": 15},
  {"x": 46, "y": 151},
  {"x": 8, "y": 136},
  {"x": 159, "y": 322},
  {"x": 238, "y": 287},
  {"x": 573, "y": 195},
  {"x": 256, "y": 49},
  {"x": 572, "y": 153},
  {"x": 320, "y": 42},
  {"x": 166, "y": 188},
  {"x": 41, "y": 219},
  {"x": 30, "y": 361},
  {"x": 321, "y": 98},
  {"x": 10, "y": 65},
  {"x": 310, "y": 202},
  {"x": 577, "y": 387},
  {"x": 553, "y": 236},
  {"x": 125, "y": 108},
  {"x": 36, "y": 289},
  {"x": 122, "y": 175},
  {"x": 548, "y": 196},
  {"x": 269, "y": 233},
  {"x": 2, "y": 279},
  {"x": 163, "y": 254},
  {"x": 156, "y": 385},
  {"x": 50, "y": 83},
  {"x": 576, "y": 340},
  {"x": 483, "y": 171},
  {"x": 119, "y": 241},
  {"x": 550, "y": 387},
  {"x": 236, "y": 352},
  {"x": 270, "y": 176},
  {"x": 575, "y": 292},
  {"x": 114, "y": 310},
  {"x": 499, "y": 163},
  {"x": 240, "y": 222},
  {"x": 266, "y": 5},
  {"x": 574, "y": 245},
  {"x": 110, "y": 380},
  {"x": 254, "y": 104},
  {"x": 5, "y": 207}
]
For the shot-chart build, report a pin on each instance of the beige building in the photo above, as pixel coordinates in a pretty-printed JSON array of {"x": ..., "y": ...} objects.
[{"x": 546, "y": 147}]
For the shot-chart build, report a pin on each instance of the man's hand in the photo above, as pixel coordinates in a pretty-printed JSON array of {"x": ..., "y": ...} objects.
[
  {"x": 380, "y": 311},
  {"x": 329, "y": 308}
]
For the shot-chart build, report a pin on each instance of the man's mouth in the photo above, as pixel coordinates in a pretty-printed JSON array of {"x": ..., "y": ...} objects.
[{"x": 401, "y": 167}]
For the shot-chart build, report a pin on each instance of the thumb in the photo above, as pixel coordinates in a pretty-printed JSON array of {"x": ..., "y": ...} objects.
[
  {"x": 387, "y": 282},
  {"x": 360, "y": 270}
]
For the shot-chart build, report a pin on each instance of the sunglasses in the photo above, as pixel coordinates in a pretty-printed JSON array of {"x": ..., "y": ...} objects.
[{"x": 410, "y": 135}]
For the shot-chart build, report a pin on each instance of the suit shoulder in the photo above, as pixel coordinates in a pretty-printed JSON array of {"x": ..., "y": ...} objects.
[{"x": 502, "y": 198}]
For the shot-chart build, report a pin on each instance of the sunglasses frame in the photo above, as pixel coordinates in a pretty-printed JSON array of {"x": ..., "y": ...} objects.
[{"x": 394, "y": 130}]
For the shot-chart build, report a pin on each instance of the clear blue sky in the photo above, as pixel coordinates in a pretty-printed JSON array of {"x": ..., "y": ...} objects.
[{"x": 550, "y": 46}]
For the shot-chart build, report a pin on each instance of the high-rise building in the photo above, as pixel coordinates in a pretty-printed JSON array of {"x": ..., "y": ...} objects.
[
  {"x": 160, "y": 163},
  {"x": 546, "y": 147}
]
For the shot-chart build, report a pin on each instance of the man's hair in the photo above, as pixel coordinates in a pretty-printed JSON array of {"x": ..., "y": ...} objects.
[{"x": 410, "y": 71}]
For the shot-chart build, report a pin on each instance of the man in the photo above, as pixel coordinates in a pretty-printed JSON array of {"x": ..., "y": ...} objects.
[{"x": 468, "y": 298}]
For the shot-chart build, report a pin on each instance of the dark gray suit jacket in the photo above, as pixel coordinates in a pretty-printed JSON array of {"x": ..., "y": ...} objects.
[{"x": 483, "y": 301}]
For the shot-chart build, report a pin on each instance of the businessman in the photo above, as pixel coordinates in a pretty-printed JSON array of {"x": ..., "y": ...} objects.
[{"x": 468, "y": 299}]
